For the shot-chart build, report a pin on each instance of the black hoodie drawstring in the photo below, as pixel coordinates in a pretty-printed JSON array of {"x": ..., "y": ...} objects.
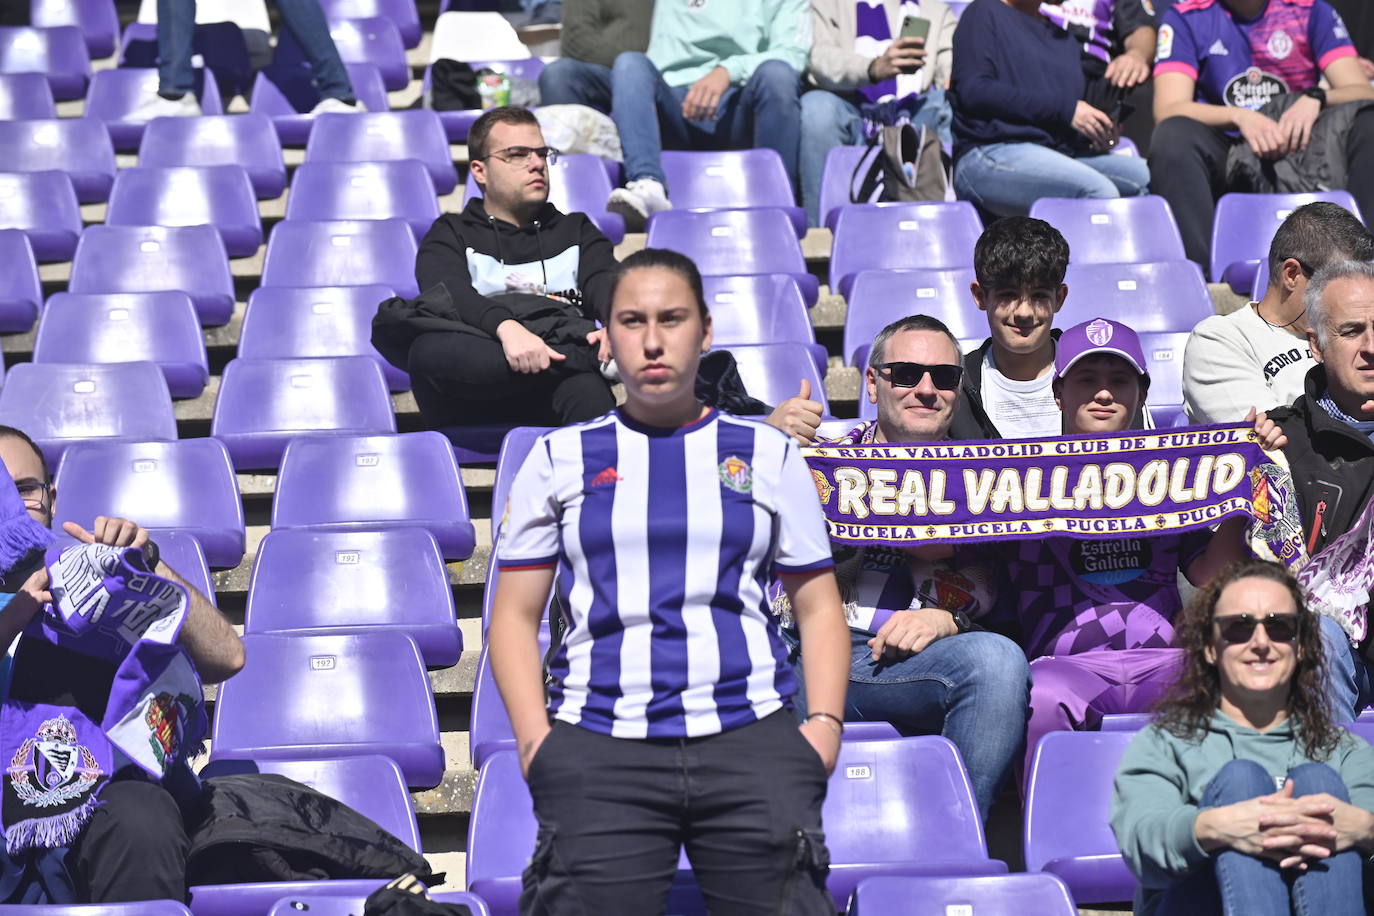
[
  {"x": 500, "y": 256},
  {"x": 538, "y": 244}
]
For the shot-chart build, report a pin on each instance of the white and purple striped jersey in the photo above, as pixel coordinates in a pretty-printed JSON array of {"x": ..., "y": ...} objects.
[{"x": 665, "y": 541}]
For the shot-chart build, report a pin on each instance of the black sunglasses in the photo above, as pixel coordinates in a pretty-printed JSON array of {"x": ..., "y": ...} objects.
[
  {"x": 908, "y": 375},
  {"x": 1240, "y": 628}
]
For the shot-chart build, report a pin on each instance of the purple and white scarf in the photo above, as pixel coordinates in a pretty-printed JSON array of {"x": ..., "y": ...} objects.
[{"x": 107, "y": 605}]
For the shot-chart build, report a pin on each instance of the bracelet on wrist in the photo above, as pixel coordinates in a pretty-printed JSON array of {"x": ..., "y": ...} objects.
[{"x": 833, "y": 721}]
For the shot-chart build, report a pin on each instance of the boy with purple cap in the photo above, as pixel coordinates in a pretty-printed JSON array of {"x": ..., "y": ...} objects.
[{"x": 1097, "y": 615}]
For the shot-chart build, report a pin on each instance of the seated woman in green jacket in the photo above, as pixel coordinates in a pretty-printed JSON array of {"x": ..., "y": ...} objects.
[{"x": 1243, "y": 796}]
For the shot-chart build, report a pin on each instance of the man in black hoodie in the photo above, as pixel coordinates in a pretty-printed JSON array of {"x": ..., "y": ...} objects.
[{"x": 505, "y": 330}]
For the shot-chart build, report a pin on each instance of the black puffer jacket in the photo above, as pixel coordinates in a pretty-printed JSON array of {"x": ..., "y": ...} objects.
[{"x": 1320, "y": 166}]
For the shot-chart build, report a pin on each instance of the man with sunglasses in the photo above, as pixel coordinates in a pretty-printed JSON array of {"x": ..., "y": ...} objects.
[
  {"x": 919, "y": 660},
  {"x": 505, "y": 329},
  {"x": 1257, "y": 357}
]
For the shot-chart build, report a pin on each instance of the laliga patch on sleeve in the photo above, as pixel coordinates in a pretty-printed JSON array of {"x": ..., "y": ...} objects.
[{"x": 1165, "y": 46}]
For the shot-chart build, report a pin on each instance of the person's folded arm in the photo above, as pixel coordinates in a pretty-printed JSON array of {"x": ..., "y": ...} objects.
[
  {"x": 1151, "y": 815},
  {"x": 442, "y": 258},
  {"x": 1346, "y": 78}
]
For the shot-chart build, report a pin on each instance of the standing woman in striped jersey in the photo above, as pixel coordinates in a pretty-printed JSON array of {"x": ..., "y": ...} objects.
[{"x": 667, "y": 721}]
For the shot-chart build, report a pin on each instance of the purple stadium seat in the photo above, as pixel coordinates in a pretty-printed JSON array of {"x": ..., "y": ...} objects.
[
  {"x": 1130, "y": 230},
  {"x": 318, "y": 904},
  {"x": 219, "y": 45},
  {"x": 346, "y": 582},
  {"x": 147, "y": 259},
  {"x": 141, "y": 908},
  {"x": 374, "y": 40},
  {"x": 882, "y": 236},
  {"x": 1245, "y": 224},
  {"x": 60, "y": 405},
  {"x": 366, "y": 483},
  {"x": 159, "y": 328},
  {"x": 1163, "y": 296},
  {"x": 514, "y": 448},
  {"x": 115, "y": 94},
  {"x": 370, "y": 784},
  {"x": 78, "y": 146},
  {"x": 97, "y": 20},
  {"x": 384, "y": 136},
  {"x": 1164, "y": 359},
  {"x": 1361, "y": 728},
  {"x": 342, "y": 253},
  {"x": 43, "y": 206},
  {"x": 183, "y": 553},
  {"x": 869, "y": 731},
  {"x": 401, "y": 12},
  {"x": 25, "y": 96},
  {"x": 399, "y": 189},
  {"x": 245, "y": 140},
  {"x": 283, "y": 322},
  {"x": 490, "y": 729},
  {"x": 735, "y": 242},
  {"x": 286, "y": 94},
  {"x": 265, "y": 403},
  {"x": 57, "y": 53},
  {"x": 760, "y": 308},
  {"x": 458, "y": 122},
  {"x": 186, "y": 486},
  {"x": 1041, "y": 894},
  {"x": 879, "y": 297},
  {"x": 578, "y": 183},
  {"x": 840, "y": 163},
  {"x": 1125, "y": 722},
  {"x": 331, "y": 696},
  {"x": 731, "y": 179},
  {"x": 773, "y": 372},
  {"x": 902, "y": 806},
  {"x": 21, "y": 292},
  {"x": 219, "y": 196},
  {"x": 1066, "y": 829}
]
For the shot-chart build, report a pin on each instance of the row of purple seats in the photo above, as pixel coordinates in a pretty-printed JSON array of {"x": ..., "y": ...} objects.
[
  {"x": 1167, "y": 296},
  {"x": 895, "y": 806},
  {"x": 735, "y": 243},
  {"x": 97, "y": 19},
  {"x": 1042, "y": 894},
  {"x": 25, "y": 96},
  {"x": 59, "y": 53},
  {"x": 114, "y": 96},
  {"x": 1244, "y": 226}
]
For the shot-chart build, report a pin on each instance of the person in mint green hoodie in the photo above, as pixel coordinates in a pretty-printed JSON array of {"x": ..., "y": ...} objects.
[{"x": 1243, "y": 797}]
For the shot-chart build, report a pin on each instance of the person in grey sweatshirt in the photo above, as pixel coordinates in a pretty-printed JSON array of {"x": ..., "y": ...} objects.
[{"x": 1243, "y": 796}]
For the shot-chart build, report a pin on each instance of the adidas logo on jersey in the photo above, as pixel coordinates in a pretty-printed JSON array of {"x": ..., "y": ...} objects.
[
  {"x": 607, "y": 477},
  {"x": 1218, "y": 49}
]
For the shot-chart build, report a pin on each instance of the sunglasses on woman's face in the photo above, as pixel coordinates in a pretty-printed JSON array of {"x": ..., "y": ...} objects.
[
  {"x": 908, "y": 375},
  {"x": 1240, "y": 628}
]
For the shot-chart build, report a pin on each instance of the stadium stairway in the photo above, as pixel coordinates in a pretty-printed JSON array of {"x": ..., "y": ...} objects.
[{"x": 443, "y": 811}]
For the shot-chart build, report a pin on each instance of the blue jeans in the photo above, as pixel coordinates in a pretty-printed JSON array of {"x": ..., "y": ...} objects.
[
  {"x": 1006, "y": 178},
  {"x": 829, "y": 120},
  {"x": 764, "y": 112},
  {"x": 1235, "y": 883},
  {"x": 972, "y": 688},
  {"x": 176, "y": 25},
  {"x": 1351, "y": 684},
  {"x": 575, "y": 82}
]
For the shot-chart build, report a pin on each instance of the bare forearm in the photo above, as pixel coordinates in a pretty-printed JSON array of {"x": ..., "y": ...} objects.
[
  {"x": 1141, "y": 43},
  {"x": 206, "y": 635},
  {"x": 1357, "y": 93},
  {"x": 513, "y": 651},
  {"x": 825, "y": 642},
  {"x": 1223, "y": 116}
]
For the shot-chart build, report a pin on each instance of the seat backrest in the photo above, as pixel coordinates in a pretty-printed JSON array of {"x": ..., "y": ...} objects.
[
  {"x": 145, "y": 259},
  {"x": 383, "y": 136},
  {"x": 840, "y": 163},
  {"x": 880, "y": 297},
  {"x": 1245, "y": 224},
  {"x": 21, "y": 291},
  {"x": 247, "y": 140},
  {"x": 25, "y": 96},
  {"x": 402, "y": 13},
  {"x": 1158, "y": 296},
  {"x": 184, "y": 484},
  {"x": 501, "y": 831},
  {"x": 283, "y": 322},
  {"x": 341, "y": 253},
  {"x": 310, "y": 579},
  {"x": 773, "y": 372},
  {"x": 730, "y": 241},
  {"x": 1069, "y": 795},
  {"x": 45, "y": 204},
  {"x": 399, "y": 188},
  {"x": 59, "y": 404},
  {"x": 59, "y": 53},
  {"x": 97, "y": 20},
  {"x": 1164, "y": 359},
  {"x": 893, "y": 895},
  {"x": 758, "y": 308},
  {"x": 370, "y": 784},
  {"x": 901, "y": 235},
  {"x": 219, "y": 196},
  {"x": 78, "y": 146},
  {"x": 353, "y": 480},
  {"x": 184, "y": 554},
  {"x": 158, "y": 327},
  {"x": 288, "y": 91},
  {"x": 727, "y": 178},
  {"x": 374, "y": 40},
  {"x": 1128, "y": 230},
  {"x": 301, "y": 396}
]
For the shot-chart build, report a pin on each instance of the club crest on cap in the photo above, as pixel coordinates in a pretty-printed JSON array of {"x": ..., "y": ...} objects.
[{"x": 1099, "y": 332}]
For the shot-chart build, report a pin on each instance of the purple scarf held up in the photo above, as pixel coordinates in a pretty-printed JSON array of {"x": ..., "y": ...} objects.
[{"x": 107, "y": 605}]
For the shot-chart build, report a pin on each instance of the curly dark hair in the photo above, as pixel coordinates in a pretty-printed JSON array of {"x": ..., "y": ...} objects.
[{"x": 1188, "y": 706}]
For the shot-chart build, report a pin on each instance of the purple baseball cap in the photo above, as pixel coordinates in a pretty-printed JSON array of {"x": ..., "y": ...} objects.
[{"x": 1101, "y": 335}]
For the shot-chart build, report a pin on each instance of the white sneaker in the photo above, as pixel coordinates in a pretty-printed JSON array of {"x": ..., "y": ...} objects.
[
  {"x": 159, "y": 107},
  {"x": 337, "y": 106},
  {"x": 637, "y": 201}
]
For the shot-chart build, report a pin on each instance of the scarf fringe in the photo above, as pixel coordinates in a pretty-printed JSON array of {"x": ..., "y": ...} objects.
[{"x": 50, "y": 832}]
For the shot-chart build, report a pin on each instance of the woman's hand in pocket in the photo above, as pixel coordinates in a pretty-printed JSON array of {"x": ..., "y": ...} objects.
[{"x": 529, "y": 749}]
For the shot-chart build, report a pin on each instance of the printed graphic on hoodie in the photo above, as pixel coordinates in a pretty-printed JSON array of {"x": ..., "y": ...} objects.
[{"x": 555, "y": 276}]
